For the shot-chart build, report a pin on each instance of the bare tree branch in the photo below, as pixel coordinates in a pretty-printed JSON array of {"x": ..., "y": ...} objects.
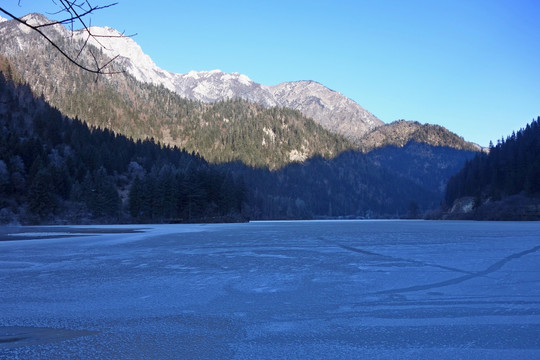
[
  {"x": 77, "y": 12},
  {"x": 72, "y": 19}
]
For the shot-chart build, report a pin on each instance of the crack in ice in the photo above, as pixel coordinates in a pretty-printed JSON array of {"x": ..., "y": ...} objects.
[
  {"x": 366, "y": 252},
  {"x": 496, "y": 266}
]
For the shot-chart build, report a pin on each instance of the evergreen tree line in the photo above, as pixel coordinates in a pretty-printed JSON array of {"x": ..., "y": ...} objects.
[
  {"x": 53, "y": 167},
  {"x": 511, "y": 167}
]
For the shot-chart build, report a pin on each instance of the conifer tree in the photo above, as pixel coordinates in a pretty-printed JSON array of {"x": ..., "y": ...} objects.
[{"x": 41, "y": 198}]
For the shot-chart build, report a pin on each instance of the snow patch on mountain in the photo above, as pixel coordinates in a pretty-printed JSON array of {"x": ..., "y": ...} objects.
[
  {"x": 130, "y": 55},
  {"x": 30, "y": 19},
  {"x": 35, "y": 19}
]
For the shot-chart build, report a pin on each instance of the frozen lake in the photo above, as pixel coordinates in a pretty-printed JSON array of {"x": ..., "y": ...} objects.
[{"x": 270, "y": 290}]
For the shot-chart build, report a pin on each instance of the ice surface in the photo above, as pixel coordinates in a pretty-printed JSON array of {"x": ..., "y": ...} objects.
[{"x": 319, "y": 290}]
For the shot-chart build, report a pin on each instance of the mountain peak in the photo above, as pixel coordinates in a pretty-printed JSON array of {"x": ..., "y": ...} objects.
[
  {"x": 115, "y": 43},
  {"x": 401, "y": 132},
  {"x": 106, "y": 31},
  {"x": 217, "y": 73},
  {"x": 329, "y": 108},
  {"x": 35, "y": 19}
]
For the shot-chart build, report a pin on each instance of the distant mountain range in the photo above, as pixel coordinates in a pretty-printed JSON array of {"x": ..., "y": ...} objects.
[
  {"x": 329, "y": 108},
  {"x": 54, "y": 169},
  {"x": 332, "y": 110}
]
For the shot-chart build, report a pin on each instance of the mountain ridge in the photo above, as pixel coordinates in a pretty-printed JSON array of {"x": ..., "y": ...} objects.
[
  {"x": 49, "y": 162},
  {"x": 344, "y": 117},
  {"x": 309, "y": 97},
  {"x": 334, "y": 111},
  {"x": 329, "y": 108},
  {"x": 401, "y": 132}
]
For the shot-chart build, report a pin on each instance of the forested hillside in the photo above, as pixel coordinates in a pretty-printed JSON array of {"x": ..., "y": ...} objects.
[
  {"x": 55, "y": 169},
  {"x": 509, "y": 173},
  {"x": 401, "y": 132},
  {"x": 350, "y": 185},
  {"x": 427, "y": 165},
  {"x": 225, "y": 131},
  {"x": 390, "y": 182}
]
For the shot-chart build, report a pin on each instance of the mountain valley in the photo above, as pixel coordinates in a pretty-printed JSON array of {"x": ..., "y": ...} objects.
[{"x": 302, "y": 150}]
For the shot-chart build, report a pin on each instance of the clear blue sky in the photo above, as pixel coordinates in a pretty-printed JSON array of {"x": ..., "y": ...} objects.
[{"x": 472, "y": 66}]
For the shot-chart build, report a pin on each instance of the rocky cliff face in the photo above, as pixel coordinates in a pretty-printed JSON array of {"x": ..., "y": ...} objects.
[{"x": 329, "y": 108}]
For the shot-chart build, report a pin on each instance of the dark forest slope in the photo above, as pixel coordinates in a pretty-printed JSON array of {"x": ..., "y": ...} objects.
[
  {"x": 504, "y": 183},
  {"x": 54, "y": 169}
]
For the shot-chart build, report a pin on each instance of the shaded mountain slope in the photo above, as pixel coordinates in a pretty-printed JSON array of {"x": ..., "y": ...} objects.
[{"x": 501, "y": 185}]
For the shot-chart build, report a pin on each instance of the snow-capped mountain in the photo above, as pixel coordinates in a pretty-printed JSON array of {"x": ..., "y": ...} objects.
[
  {"x": 215, "y": 85},
  {"x": 329, "y": 108},
  {"x": 130, "y": 55}
]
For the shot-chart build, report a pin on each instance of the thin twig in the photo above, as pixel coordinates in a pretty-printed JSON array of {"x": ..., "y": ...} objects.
[
  {"x": 72, "y": 19},
  {"x": 71, "y": 8}
]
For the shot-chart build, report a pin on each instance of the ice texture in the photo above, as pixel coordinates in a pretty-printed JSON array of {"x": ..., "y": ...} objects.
[{"x": 295, "y": 290}]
